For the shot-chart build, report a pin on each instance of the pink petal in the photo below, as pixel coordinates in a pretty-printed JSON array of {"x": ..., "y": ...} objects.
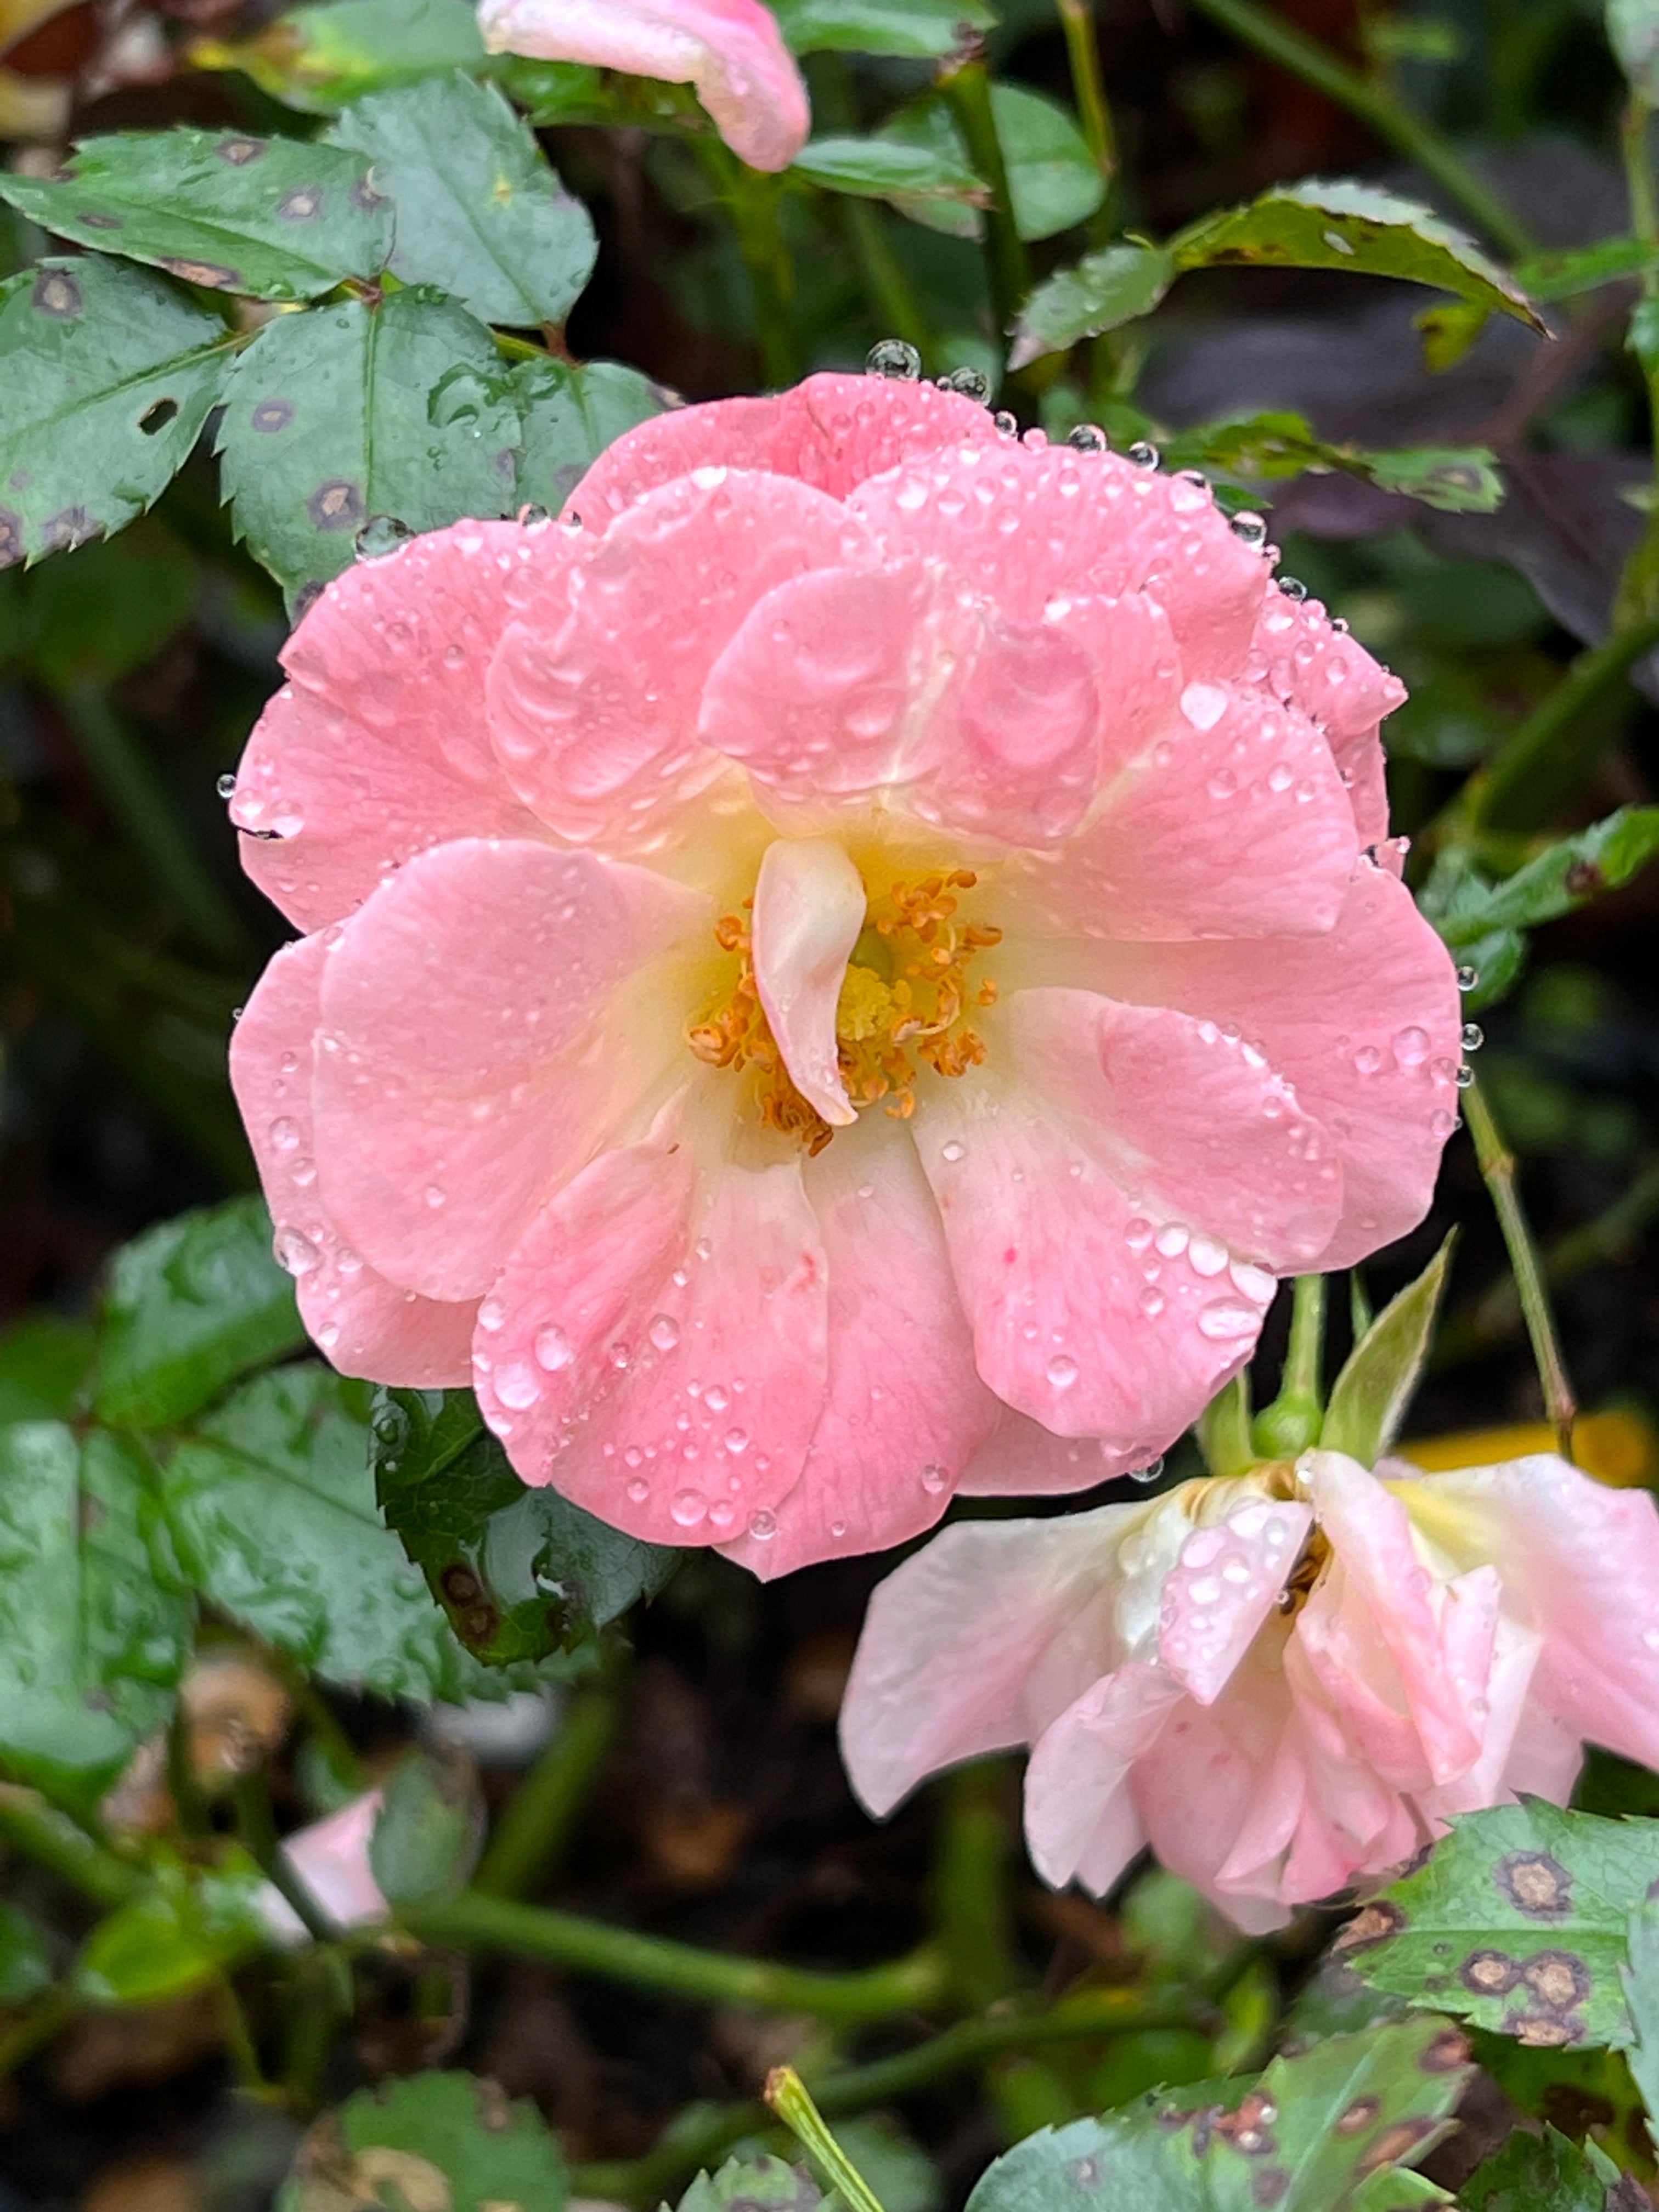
[
  {"x": 1022, "y": 1459},
  {"x": 1189, "y": 1120},
  {"x": 1501, "y": 1713},
  {"x": 655, "y": 1347},
  {"x": 594, "y": 692},
  {"x": 1080, "y": 1318},
  {"x": 978, "y": 1642},
  {"x": 1580, "y": 1564},
  {"x": 808, "y": 909},
  {"x": 1029, "y": 525},
  {"x": 455, "y": 1087},
  {"x": 1332, "y": 678},
  {"x": 905, "y": 1411},
  {"x": 365, "y": 1324},
  {"x": 1075, "y": 1785},
  {"x": 329, "y": 1860},
  {"x": 378, "y": 747},
  {"x": 1222, "y": 1588},
  {"x": 730, "y": 49},
  {"x": 1364, "y": 1023},
  {"x": 831, "y": 432}
]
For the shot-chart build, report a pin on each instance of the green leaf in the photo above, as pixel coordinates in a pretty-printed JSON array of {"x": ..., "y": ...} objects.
[
  {"x": 1633, "y": 32},
  {"x": 1519, "y": 1921},
  {"x": 427, "y": 1838},
  {"x": 756, "y": 2184},
  {"x": 1325, "y": 2131},
  {"x": 1117, "y": 285},
  {"x": 1640, "y": 1980},
  {"x": 274, "y": 218},
  {"x": 195, "y": 1302},
  {"x": 887, "y": 169},
  {"x": 1053, "y": 181},
  {"x": 571, "y": 92},
  {"x": 398, "y": 407},
  {"x": 479, "y": 212},
  {"x": 1368, "y": 1398},
  {"x": 1540, "y": 2173},
  {"x": 570, "y": 414},
  {"x": 184, "y": 1932},
  {"x": 91, "y": 1643},
  {"x": 321, "y": 59},
  {"x": 436, "y": 2139},
  {"x": 109, "y": 374},
  {"x": 270, "y": 1508},
  {"x": 1572, "y": 872},
  {"x": 914, "y": 30},
  {"x": 43, "y": 1363},
  {"x": 522, "y": 1573},
  {"x": 1565, "y": 273},
  {"x": 25, "y": 1961},
  {"x": 1354, "y": 227},
  {"x": 1457, "y": 479}
]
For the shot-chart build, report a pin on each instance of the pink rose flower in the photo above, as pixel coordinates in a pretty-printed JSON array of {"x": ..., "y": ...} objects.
[
  {"x": 330, "y": 1862},
  {"x": 1285, "y": 1682},
  {"x": 839, "y": 975},
  {"x": 730, "y": 49}
]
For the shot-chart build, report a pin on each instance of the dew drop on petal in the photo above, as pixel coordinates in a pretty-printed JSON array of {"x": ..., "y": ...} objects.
[
  {"x": 953, "y": 1151},
  {"x": 1411, "y": 1047},
  {"x": 552, "y": 1348},
  {"x": 895, "y": 359},
  {"x": 516, "y": 1385},
  {"x": 1062, "y": 1370},
  {"x": 690, "y": 1507},
  {"x": 664, "y": 1332},
  {"x": 1227, "y": 1318},
  {"x": 492, "y": 1314},
  {"x": 1150, "y": 1472},
  {"x": 762, "y": 1526}
]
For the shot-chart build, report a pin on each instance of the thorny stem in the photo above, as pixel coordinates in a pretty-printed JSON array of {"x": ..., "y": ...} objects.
[
  {"x": 1276, "y": 40},
  {"x": 1510, "y": 793},
  {"x": 1496, "y": 1165},
  {"x": 786, "y": 2093},
  {"x": 967, "y": 88},
  {"x": 542, "y": 1810},
  {"x": 1077, "y": 19}
]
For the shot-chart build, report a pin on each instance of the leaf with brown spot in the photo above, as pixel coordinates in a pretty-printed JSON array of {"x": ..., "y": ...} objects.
[
  {"x": 1541, "y": 2174},
  {"x": 436, "y": 2143}
]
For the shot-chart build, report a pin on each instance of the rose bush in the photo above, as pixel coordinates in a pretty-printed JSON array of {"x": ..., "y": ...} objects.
[
  {"x": 1285, "y": 1681},
  {"x": 838, "y": 972}
]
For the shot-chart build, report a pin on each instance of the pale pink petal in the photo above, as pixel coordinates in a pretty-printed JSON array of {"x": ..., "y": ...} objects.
[
  {"x": 1014, "y": 750},
  {"x": 978, "y": 1642},
  {"x": 455, "y": 1087},
  {"x": 1231, "y": 821},
  {"x": 1223, "y": 1588},
  {"x": 1545, "y": 1759},
  {"x": 905, "y": 1411},
  {"x": 656, "y": 1346},
  {"x": 831, "y": 432},
  {"x": 1191, "y": 1121},
  {"x": 1580, "y": 1564},
  {"x": 809, "y": 908},
  {"x": 365, "y": 1325},
  {"x": 1030, "y": 525},
  {"x": 1022, "y": 1459},
  {"x": 330, "y": 1861},
  {"x": 593, "y": 691},
  {"x": 377, "y": 746},
  {"x": 1364, "y": 1023},
  {"x": 1091, "y": 1316},
  {"x": 1500, "y": 1713},
  {"x": 1076, "y": 1784},
  {"x": 1332, "y": 678},
  {"x": 730, "y": 49}
]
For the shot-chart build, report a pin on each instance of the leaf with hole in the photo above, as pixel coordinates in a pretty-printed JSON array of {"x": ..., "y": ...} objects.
[
  {"x": 480, "y": 213},
  {"x": 398, "y": 407},
  {"x": 110, "y": 374},
  {"x": 272, "y": 218}
]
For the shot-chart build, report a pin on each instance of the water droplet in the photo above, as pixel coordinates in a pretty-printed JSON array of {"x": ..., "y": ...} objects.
[
  {"x": 1467, "y": 978},
  {"x": 639, "y": 1489},
  {"x": 1293, "y": 588},
  {"x": 970, "y": 383},
  {"x": 1062, "y": 1370},
  {"x": 1441, "y": 1123},
  {"x": 284, "y": 1135},
  {"x": 1172, "y": 1239},
  {"x": 953, "y": 1151},
  {"x": 1226, "y": 1319},
  {"x": 492, "y": 1314},
  {"x": 1004, "y": 424},
  {"x": 717, "y": 1398},
  {"x": 226, "y": 786},
  {"x": 1473, "y": 1036},
  {"x": 838, "y": 1530},
  {"x": 1650, "y": 1639},
  {"x": 536, "y": 517},
  {"x": 664, "y": 1332},
  {"x": 552, "y": 1348},
  {"x": 380, "y": 535},
  {"x": 1150, "y": 1472},
  {"x": 1088, "y": 438},
  {"x": 516, "y": 1385},
  {"x": 689, "y": 1508},
  {"x": 1207, "y": 1256},
  {"x": 762, "y": 1526},
  {"x": 1464, "y": 1077},
  {"x": 1143, "y": 455},
  {"x": 1203, "y": 705},
  {"x": 1250, "y": 529},
  {"x": 1368, "y": 1059},
  {"x": 435, "y": 1196},
  {"x": 895, "y": 359},
  {"x": 933, "y": 1479},
  {"x": 1151, "y": 1302},
  {"x": 736, "y": 1442},
  {"x": 1410, "y": 1048},
  {"x": 295, "y": 1252},
  {"x": 1137, "y": 1233}
]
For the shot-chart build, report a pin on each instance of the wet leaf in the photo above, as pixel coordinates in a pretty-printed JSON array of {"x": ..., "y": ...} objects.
[
  {"x": 1369, "y": 1397},
  {"x": 917, "y": 30},
  {"x": 570, "y": 414},
  {"x": 109, "y": 374},
  {"x": 1641, "y": 1984},
  {"x": 429, "y": 1830},
  {"x": 1332, "y": 2130},
  {"x": 398, "y": 407},
  {"x": 885, "y": 169},
  {"x": 1540, "y": 2173},
  {"x": 43, "y": 1363},
  {"x": 269, "y": 1504},
  {"x": 1518, "y": 1922},
  {"x": 1565, "y": 273},
  {"x": 1458, "y": 480},
  {"x": 521, "y": 1572},
  {"x": 273, "y": 218},
  {"x": 91, "y": 1642},
  {"x": 479, "y": 211},
  {"x": 194, "y": 1302},
  {"x": 1569, "y": 874},
  {"x": 323, "y": 58},
  {"x": 1117, "y": 285},
  {"x": 436, "y": 2143},
  {"x": 188, "y": 1928},
  {"x": 754, "y": 2184},
  {"x": 1052, "y": 177},
  {"x": 1354, "y": 227}
]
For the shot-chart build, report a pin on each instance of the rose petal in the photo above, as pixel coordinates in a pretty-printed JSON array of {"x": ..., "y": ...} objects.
[
  {"x": 1331, "y": 678},
  {"x": 1076, "y": 1785},
  {"x": 809, "y": 908},
  {"x": 1222, "y": 1589}
]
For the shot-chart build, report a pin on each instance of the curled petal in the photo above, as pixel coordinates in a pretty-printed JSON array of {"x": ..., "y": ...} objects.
[
  {"x": 1079, "y": 1815},
  {"x": 1223, "y": 1588},
  {"x": 1331, "y": 677},
  {"x": 808, "y": 909}
]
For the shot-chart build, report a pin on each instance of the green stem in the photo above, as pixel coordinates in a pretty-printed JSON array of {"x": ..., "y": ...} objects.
[
  {"x": 35, "y": 2029},
  {"x": 542, "y": 1810},
  {"x": 1077, "y": 21},
  {"x": 891, "y": 291},
  {"x": 970, "y": 1900},
  {"x": 189, "y": 1806},
  {"x": 143, "y": 810},
  {"x": 1276, "y": 40},
  {"x": 258, "y": 1830},
  {"x": 52, "y": 1840},
  {"x": 1639, "y": 584},
  {"x": 786, "y": 2093},
  {"x": 1522, "y": 783},
  {"x": 1292, "y": 1423},
  {"x": 1498, "y": 1172},
  {"x": 966, "y": 89},
  {"x": 474, "y": 1922},
  {"x": 753, "y": 203},
  {"x": 1224, "y": 1429}
]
